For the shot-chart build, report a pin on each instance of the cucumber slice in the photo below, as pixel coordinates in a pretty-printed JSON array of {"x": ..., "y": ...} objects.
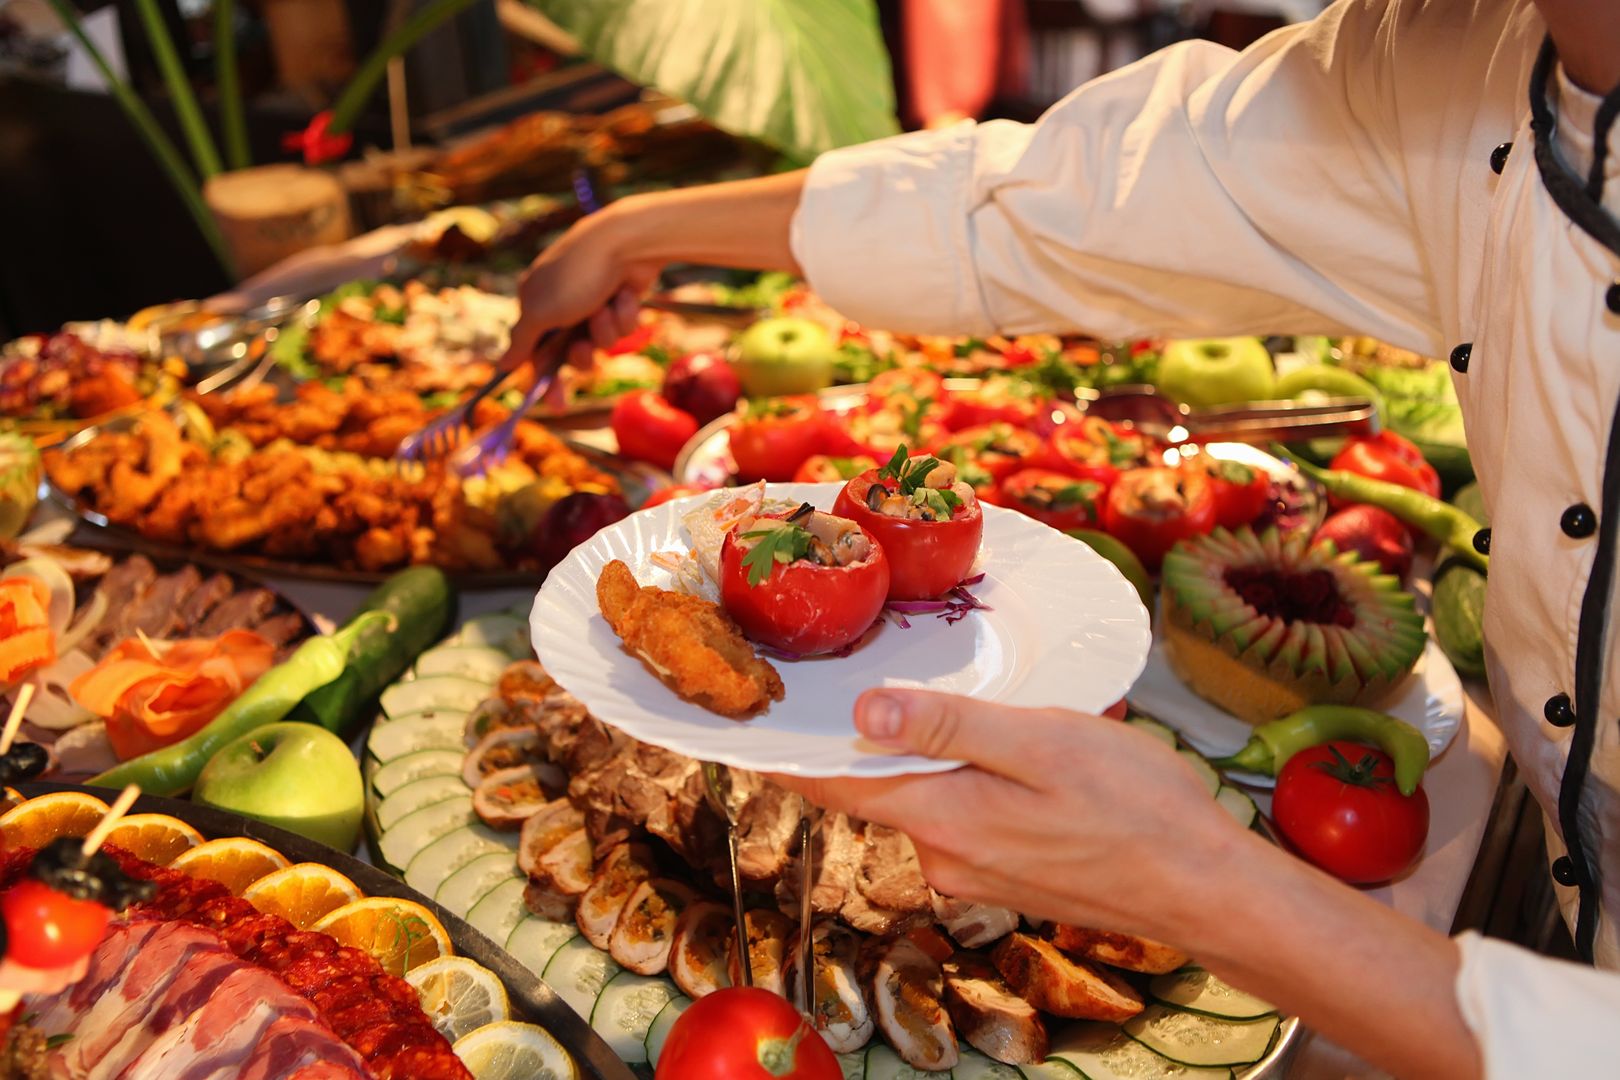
[
  {"x": 472, "y": 881},
  {"x": 1238, "y": 804},
  {"x": 975, "y": 1066},
  {"x": 408, "y": 768},
  {"x": 534, "y": 941},
  {"x": 501, "y": 909},
  {"x": 500, "y": 630},
  {"x": 625, "y": 1011},
  {"x": 449, "y": 692},
  {"x": 1196, "y": 990},
  {"x": 1197, "y": 1040},
  {"x": 1206, "y": 772},
  {"x": 671, "y": 1012},
  {"x": 417, "y": 830},
  {"x": 477, "y": 662},
  {"x": 389, "y": 742},
  {"x": 578, "y": 973},
  {"x": 417, "y": 794},
  {"x": 854, "y": 1065},
  {"x": 1155, "y": 729},
  {"x": 450, "y": 852},
  {"x": 1053, "y": 1069},
  {"x": 1104, "y": 1052},
  {"x": 428, "y": 714},
  {"x": 882, "y": 1063}
]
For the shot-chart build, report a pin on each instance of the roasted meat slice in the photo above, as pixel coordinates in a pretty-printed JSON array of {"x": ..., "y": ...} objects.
[
  {"x": 769, "y": 933},
  {"x": 890, "y": 876},
  {"x": 507, "y": 798},
  {"x": 525, "y": 679},
  {"x": 989, "y": 1016},
  {"x": 689, "y": 825},
  {"x": 246, "y": 608},
  {"x": 546, "y": 902},
  {"x": 544, "y": 829},
  {"x": 281, "y": 629},
  {"x": 646, "y": 927},
  {"x": 767, "y": 829},
  {"x": 974, "y": 926},
  {"x": 617, "y": 875},
  {"x": 907, "y": 989},
  {"x": 566, "y": 865},
  {"x": 701, "y": 946},
  {"x": 507, "y": 748},
  {"x": 204, "y": 599},
  {"x": 1120, "y": 950},
  {"x": 1052, "y": 982},
  {"x": 843, "y": 1014}
]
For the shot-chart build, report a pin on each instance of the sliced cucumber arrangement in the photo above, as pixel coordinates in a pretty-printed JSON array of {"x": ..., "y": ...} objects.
[
  {"x": 882, "y": 1063},
  {"x": 1155, "y": 729},
  {"x": 435, "y": 862},
  {"x": 417, "y": 794},
  {"x": 1238, "y": 804},
  {"x": 442, "y": 731},
  {"x": 1104, "y": 1052},
  {"x": 1206, "y": 772},
  {"x": 477, "y": 662},
  {"x": 417, "y": 830},
  {"x": 534, "y": 941},
  {"x": 1058, "y": 1069},
  {"x": 975, "y": 1066},
  {"x": 418, "y": 765},
  {"x": 500, "y": 910},
  {"x": 1196, "y": 990},
  {"x": 671, "y": 1012},
  {"x": 854, "y": 1065},
  {"x": 470, "y": 882},
  {"x": 578, "y": 972},
  {"x": 449, "y": 692},
  {"x": 625, "y": 1011},
  {"x": 501, "y": 630},
  {"x": 1197, "y": 1040}
]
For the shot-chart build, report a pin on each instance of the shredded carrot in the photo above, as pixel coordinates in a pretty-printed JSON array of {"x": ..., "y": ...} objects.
[
  {"x": 26, "y": 640},
  {"x": 153, "y": 693}
]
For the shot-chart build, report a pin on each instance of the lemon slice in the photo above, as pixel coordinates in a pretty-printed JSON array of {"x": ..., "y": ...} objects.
[
  {"x": 459, "y": 996},
  {"x": 401, "y": 934},
  {"x": 509, "y": 1050}
]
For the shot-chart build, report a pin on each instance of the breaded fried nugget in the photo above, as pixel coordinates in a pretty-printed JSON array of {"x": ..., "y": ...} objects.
[{"x": 690, "y": 643}]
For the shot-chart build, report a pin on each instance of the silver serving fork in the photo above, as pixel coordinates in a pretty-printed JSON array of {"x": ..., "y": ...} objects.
[
  {"x": 440, "y": 437},
  {"x": 722, "y": 806},
  {"x": 492, "y": 447}
]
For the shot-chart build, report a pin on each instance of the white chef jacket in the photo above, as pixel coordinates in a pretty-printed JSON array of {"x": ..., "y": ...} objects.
[{"x": 1372, "y": 172}]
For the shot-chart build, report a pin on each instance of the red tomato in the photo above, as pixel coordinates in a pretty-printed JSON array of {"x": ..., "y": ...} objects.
[
  {"x": 879, "y": 433},
  {"x": 772, "y": 438},
  {"x": 1096, "y": 449},
  {"x": 822, "y": 469},
  {"x": 1150, "y": 510},
  {"x": 1390, "y": 457},
  {"x": 1338, "y": 806},
  {"x": 670, "y": 494},
  {"x": 1054, "y": 417},
  {"x": 801, "y": 607},
  {"x": 1018, "y": 354},
  {"x": 47, "y": 929},
  {"x": 1242, "y": 492},
  {"x": 999, "y": 449},
  {"x": 926, "y": 558},
  {"x": 973, "y": 474},
  {"x": 745, "y": 1033},
  {"x": 650, "y": 429},
  {"x": 1016, "y": 401},
  {"x": 1063, "y": 502}
]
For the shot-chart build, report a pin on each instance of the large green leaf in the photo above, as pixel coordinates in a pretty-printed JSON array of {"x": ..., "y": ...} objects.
[{"x": 802, "y": 75}]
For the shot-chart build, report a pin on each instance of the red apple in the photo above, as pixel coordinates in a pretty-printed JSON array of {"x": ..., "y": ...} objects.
[
  {"x": 1373, "y": 534},
  {"x": 702, "y": 384}
]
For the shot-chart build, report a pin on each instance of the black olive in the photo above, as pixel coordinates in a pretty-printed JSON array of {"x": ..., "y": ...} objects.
[
  {"x": 61, "y": 865},
  {"x": 24, "y": 761}
]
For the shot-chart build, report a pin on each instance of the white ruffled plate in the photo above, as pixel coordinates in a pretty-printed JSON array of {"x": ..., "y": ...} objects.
[
  {"x": 1431, "y": 700},
  {"x": 1064, "y": 629}
]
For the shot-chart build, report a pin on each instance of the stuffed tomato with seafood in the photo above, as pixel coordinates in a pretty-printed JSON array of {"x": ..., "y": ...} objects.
[{"x": 927, "y": 521}]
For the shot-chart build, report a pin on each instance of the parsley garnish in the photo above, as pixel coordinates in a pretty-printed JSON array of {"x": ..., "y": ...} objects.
[
  {"x": 781, "y": 544},
  {"x": 910, "y": 475},
  {"x": 1120, "y": 452},
  {"x": 53, "y": 1041},
  {"x": 1081, "y": 493}
]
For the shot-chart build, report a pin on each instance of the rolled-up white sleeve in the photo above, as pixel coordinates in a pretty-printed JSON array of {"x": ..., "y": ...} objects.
[
  {"x": 1198, "y": 192},
  {"x": 1534, "y": 1016}
]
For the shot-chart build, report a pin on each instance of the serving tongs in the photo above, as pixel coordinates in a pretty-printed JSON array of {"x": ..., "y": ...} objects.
[{"x": 1252, "y": 421}]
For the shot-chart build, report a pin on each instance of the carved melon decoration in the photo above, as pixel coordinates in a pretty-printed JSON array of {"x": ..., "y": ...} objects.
[{"x": 1264, "y": 625}]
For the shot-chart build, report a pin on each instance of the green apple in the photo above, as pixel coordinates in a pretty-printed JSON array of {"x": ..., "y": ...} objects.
[
  {"x": 300, "y": 777},
  {"x": 1214, "y": 371},
  {"x": 784, "y": 355}
]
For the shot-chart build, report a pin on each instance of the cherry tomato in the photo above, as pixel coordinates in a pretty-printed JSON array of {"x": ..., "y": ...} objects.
[
  {"x": 1019, "y": 354},
  {"x": 745, "y": 1033},
  {"x": 926, "y": 558},
  {"x": 822, "y": 469},
  {"x": 650, "y": 429},
  {"x": 1000, "y": 449},
  {"x": 801, "y": 607},
  {"x": 1061, "y": 501},
  {"x": 670, "y": 494},
  {"x": 1013, "y": 400},
  {"x": 1390, "y": 457},
  {"x": 48, "y": 929},
  {"x": 773, "y": 437},
  {"x": 1097, "y": 449},
  {"x": 1338, "y": 806},
  {"x": 1241, "y": 491},
  {"x": 1151, "y": 510}
]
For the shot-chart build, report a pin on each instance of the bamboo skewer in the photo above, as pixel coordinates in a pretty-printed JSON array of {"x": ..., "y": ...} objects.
[
  {"x": 25, "y": 695},
  {"x": 109, "y": 821}
]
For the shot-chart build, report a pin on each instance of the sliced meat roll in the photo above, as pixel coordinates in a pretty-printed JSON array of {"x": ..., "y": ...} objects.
[
  {"x": 508, "y": 748},
  {"x": 700, "y": 950},
  {"x": 768, "y": 935},
  {"x": 505, "y": 799},
  {"x": 543, "y": 830},
  {"x": 1052, "y": 982},
  {"x": 974, "y": 926},
  {"x": 646, "y": 927},
  {"x": 620, "y": 871},
  {"x": 843, "y": 1015},
  {"x": 1121, "y": 950},
  {"x": 907, "y": 988},
  {"x": 989, "y": 1016}
]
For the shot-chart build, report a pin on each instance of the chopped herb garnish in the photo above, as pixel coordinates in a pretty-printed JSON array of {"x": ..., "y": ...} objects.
[
  {"x": 761, "y": 408},
  {"x": 781, "y": 544},
  {"x": 53, "y": 1041},
  {"x": 1081, "y": 493},
  {"x": 1120, "y": 452},
  {"x": 940, "y": 502},
  {"x": 965, "y": 349},
  {"x": 908, "y": 473},
  {"x": 1233, "y": 472}
]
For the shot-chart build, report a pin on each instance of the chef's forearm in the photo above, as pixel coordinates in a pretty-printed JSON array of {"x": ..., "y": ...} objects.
[
  {"x": 745, "y": 224},
  {"x": 1358, "y": 972}
]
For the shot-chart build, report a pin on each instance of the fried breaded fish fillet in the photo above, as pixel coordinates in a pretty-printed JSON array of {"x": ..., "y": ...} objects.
[{"x": 689, "y": 643}]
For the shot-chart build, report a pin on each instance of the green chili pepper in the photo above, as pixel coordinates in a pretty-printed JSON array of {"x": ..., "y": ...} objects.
[
  {"x": 1447, "y": 524},
  {"x": 1271, "y": 745},
  {"x": 173, "y": 769}
]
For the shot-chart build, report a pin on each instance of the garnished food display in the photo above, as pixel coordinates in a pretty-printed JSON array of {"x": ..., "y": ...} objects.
[
  {"x": 52, "y": 383},
  {"x": 925, "y": 519}
]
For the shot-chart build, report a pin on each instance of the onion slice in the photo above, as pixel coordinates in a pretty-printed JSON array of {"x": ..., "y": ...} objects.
[
  {"x": 57, "y": 581},
  {"x": 90, "y": 617},
  {"x": 53, "y": 706}
]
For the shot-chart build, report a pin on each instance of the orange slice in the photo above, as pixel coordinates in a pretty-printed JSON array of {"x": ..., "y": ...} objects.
[
  {"x": 302, "y": 893},
  {"x": 401, "y": 934},
  {"x": 157, "y": 838},
  {"x": 234, "y": 861},
  {"x": 39, "y": 821}
]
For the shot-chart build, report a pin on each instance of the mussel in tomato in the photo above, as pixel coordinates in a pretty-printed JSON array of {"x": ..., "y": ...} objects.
[{"x": 928, "y": 522}]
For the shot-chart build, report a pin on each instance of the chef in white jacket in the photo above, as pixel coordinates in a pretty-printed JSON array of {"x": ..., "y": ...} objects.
[{"x": 1441, "y": 174}]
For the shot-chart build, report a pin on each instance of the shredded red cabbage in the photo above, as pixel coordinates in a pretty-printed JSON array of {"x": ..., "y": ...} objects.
[{"x": 953, "y": 607}]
